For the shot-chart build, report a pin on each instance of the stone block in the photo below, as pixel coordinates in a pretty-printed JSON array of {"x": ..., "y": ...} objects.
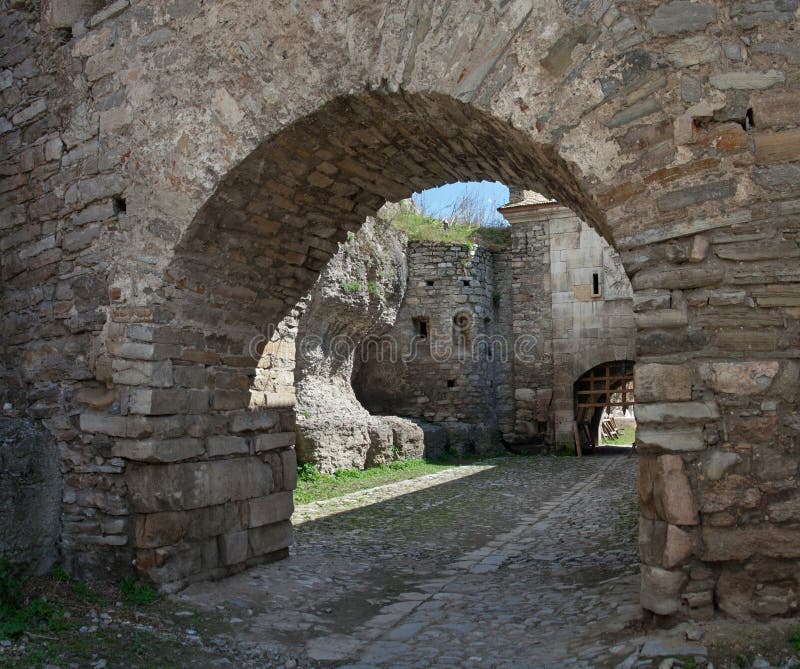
[
  {"x": 664, "y": 490},
  {"x": 716, "y": 462},
  {"x": 678, "y": 547},
  {"x": 683, "y": 439},
  {"x": 271, "y": 509},
  {"x": 64, "y": 13},
  {"x": 696, "y": 50},
  {"x": 289, "y": 465},
  {"x": 226, "y": 445},
  {"x": 691, "y": 195},
  {"x": 170, "y": 527},
  {"x": 680, "y": 412},
  {"x": 775, "y": 109},
  {"x": 272, "y": 440},
  {"x": 722, "y": 544},
  {"x": 155, "y": 402},
  {"x": 407, "y": 437},
  {"x": 254, "y": 421},
  {"x": 749, "y": 81},
  {"x": 777, "y": 147},
  {"x": 157, "y": 450},
  {"x": 655, "y": 382},
  {"x": 270, "y": 538},
  {"x": 142, "y": 372},
  {"x": 739, "y": 378},
  {"x": 661, "y": 589},
  {"x": 233, "y": 547},
  {"x": 652, "y": 536},
  {"x": 176, "y": 487}
]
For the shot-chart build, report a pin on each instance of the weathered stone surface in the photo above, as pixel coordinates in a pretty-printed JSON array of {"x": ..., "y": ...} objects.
[
  {"x": 657, "y": 382},
  {"x": 747, "y": 80},
  {"x": 686, "y": 197},
  {"x": 682, "y": 16},
  {"x": 273, "y": 440},
  {"x": 717, "y": 462},
  {"x": 777, "y": 147},
  {"x": 269, "y": 538},
  {"x": 270, "y": 509},
  {"x": 671, "y": 439},
  {"x": 678, "y": 277},
  {"x": 722, "y": 543},
  {"x": 739, "y": 378},
  {"x": 233, "y": 547},
  {"x": 226, "y": 445},
  {"x": 678, "y": 547},
  {"x": 676, "y": 412},
  {"x": 158, "y": 450},
  {"x": 193, "y": 485},
  {"x": 30, "y": 495},
  {"x": 661, "y": 589},
  {"x": 693, "y": 51},
  {"x": 407, "y": 437},
  {"x": 665, "y": 491}
]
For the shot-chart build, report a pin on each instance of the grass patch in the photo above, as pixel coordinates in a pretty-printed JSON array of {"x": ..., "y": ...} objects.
[
  {"x": 136, "y": 592},
  {"x": 313, "y": 485},
  {"x": 627, "y": 435},
  {"x": 794, "y": 640},
  {"x": 419, "y": 227},
  {"x": 351, "y": 287}
]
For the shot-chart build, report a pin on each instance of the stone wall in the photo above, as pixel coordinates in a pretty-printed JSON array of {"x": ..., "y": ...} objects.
[
  {"x": 30, "y": 496},
  {"x": 588, "y": 328},
  {"x": 445, "y": 374},
  {"x": 357, "y": 297},
  {"x": 176, "y": 170}
]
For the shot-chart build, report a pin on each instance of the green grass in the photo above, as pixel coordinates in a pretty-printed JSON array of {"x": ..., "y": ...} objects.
[
  {"x": 419, "y": 227},
  {"x": 313, "y": 485},
  {"x": 136, "y": 592},
  {"x": 794, "y": 640},
  {"x": 351, "y": 287},
  {"x": 627, "y": 435}
]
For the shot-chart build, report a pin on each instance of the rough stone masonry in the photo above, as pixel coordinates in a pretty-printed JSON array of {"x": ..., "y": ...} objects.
[{"x": 176, "y": 174}]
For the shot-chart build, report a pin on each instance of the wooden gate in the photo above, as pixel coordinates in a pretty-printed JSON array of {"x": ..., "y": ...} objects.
[{"x": 605, "y": 386}]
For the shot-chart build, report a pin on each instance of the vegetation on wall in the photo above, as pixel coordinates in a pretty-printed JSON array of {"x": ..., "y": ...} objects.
[{"x": 420, "y": 227}]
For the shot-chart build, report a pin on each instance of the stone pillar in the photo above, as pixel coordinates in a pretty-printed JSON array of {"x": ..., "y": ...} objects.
[
  {"x": 717, "y": 404},
  {"x": 207, "y": 460},
  {"x": 532, "y": 321}
]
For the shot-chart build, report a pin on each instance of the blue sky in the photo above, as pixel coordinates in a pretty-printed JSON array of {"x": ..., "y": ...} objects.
[{"x": 439, "y": 201}]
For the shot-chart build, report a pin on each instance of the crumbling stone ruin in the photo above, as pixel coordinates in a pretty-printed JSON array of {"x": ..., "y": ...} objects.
[{"x": 175, "y": 175}]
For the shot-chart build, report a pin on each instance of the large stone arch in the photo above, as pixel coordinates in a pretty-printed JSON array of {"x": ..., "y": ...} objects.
[{"x": 149, "y": 120}]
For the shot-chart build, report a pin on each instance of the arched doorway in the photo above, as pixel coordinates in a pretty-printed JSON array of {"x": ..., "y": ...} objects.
[{"x": 597, "y": 392}]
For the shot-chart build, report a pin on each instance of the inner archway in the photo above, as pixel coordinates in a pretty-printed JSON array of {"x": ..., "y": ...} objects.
[{"x": 252, "y": 252}]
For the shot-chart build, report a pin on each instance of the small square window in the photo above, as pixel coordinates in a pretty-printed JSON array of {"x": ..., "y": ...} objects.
[
  {"x": 428, "y": 282},
  {"x": 466, "y": 283},
  {"x": 451, "y": 383},
  {"x": 421, "y": 327}
]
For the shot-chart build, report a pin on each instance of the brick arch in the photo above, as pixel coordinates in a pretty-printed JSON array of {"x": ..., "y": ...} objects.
[{"x": 643, "y": 117}]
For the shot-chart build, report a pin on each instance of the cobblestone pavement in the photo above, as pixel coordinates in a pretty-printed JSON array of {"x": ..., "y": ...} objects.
[{"x": 524, "y": 562}]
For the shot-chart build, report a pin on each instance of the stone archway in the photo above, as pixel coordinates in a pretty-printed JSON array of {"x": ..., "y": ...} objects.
[{"x": 153, "y": 128}]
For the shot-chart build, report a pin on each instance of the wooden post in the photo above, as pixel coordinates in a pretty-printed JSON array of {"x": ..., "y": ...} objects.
[{"x": 577, "y": 437}]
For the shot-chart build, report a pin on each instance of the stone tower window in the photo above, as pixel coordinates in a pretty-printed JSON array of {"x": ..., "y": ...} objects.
[
  {"x": 596, "y": 284},
  {"x": 428, "y": 282},
  {"x": 421, "y": 327},
  {"x": 466, "y": 283},
  {"x": 451, "y": 383}
]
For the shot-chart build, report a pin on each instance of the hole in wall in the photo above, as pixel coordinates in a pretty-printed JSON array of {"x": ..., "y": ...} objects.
[
  {"x": 451, "y": 383},
  {"x": 120, "y": 205}
]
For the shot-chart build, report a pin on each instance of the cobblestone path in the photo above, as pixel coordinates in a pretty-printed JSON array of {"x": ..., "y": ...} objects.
[{"x": 525, "y": 562}]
